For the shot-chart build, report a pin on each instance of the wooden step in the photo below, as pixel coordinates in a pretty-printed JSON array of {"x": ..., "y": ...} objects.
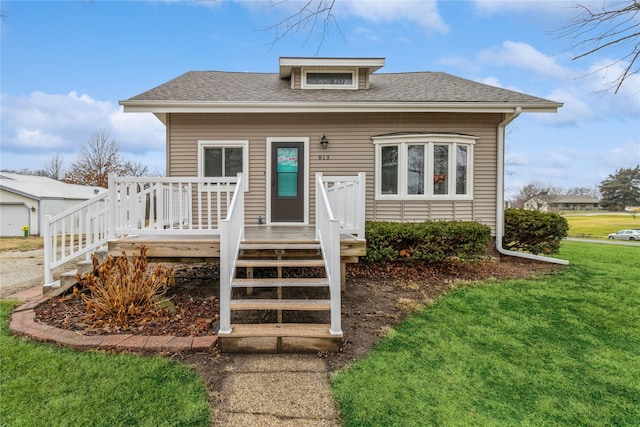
[
  {"x": 292, "y": 241},
  {"x": 280, "y": 338},
  {"x": 281, "y": 304},
  {"x": 280, "y": 246},
  {"x": 280, "y": 263},
  {"x": 275, "y": 282},
  {"x": 305, "y": 330}
]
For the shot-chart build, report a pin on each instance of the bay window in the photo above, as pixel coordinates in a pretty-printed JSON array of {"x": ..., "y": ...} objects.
[{"x": 424, "y": 166}]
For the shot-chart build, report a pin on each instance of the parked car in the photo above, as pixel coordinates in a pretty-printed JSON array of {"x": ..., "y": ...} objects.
[{"x": 633, "y": 234}]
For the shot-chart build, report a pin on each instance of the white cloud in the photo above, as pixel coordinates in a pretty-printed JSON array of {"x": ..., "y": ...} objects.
[
  {"x": 504, "y": 7},
  {"x": 599, "y": 83},
  {"x": 526, "y": 57},
  {"x": 574, "y": 111},
  {"x": 423, "y": 13},
  {"x": 42, "y": 124},
  {"x": 626, "y": 156},
  {"x": 494, "y": 81}
]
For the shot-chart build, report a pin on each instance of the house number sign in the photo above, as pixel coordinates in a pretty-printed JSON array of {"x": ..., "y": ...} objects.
[{"x": 323, "y": 157}]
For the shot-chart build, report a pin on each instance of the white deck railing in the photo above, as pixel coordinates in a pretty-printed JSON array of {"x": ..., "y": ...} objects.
[
  {"x": 153, "y": 205},
  {"x": 346, "y": 195},
  {"x": 75, "y": 232},
  {"x": 136, "y": 206},
  {"x": 328, "y": 233},
  {"x": 231, "y": 234}
]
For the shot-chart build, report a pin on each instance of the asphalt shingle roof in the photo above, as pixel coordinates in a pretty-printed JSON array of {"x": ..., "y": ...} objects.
[{"x": 220, "y": 87}]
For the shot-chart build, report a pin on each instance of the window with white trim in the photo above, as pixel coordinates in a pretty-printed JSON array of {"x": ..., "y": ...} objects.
[
  {"x": 424, "y": 166},
  {"x": 224, "y": 159},
  {"x": 329, "y": 79}
]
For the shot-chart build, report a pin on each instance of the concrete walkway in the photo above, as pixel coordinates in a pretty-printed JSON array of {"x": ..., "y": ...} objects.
[
  {"x": 258, "y": 390},
  {"x": 277, "y": 390}
]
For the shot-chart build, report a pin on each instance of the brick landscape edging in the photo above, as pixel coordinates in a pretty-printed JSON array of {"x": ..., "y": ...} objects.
[{"x": 23, "y": 323}]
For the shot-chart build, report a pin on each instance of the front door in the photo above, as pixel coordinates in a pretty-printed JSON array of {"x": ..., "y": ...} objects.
[{"x": 287, "y": 182}]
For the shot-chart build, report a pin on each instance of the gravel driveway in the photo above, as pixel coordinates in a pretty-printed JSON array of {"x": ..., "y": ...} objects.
[{"x": 20, "y": 271}]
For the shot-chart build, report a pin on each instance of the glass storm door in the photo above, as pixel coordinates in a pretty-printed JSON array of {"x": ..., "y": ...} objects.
[{"x": 287, "y": 182}]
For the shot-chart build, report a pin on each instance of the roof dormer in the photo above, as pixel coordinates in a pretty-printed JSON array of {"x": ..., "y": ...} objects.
[{"x": 329, "y": 73}]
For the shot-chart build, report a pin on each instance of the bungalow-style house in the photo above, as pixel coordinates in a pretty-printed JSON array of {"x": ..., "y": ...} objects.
[
  {"x": 556, "y": 203},
  {"x": 297, "y": 160},
  {"x": 26, "y": 199}
]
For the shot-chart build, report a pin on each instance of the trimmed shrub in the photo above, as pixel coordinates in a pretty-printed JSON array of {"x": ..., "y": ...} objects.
[
  {"x": 430, "y": 241},
  {"x": 533, "y": 231}
]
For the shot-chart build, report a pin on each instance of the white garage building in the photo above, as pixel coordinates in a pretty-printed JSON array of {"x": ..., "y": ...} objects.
[{"x": 27, "y": 199}]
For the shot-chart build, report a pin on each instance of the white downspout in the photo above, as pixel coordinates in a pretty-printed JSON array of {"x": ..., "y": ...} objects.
[{"x": 500, "y": 198}]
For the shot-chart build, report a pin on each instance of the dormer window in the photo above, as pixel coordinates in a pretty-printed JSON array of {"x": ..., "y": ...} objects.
[
  {"x": 329, "y": 79},
  {"x": 329, "y": 73}
]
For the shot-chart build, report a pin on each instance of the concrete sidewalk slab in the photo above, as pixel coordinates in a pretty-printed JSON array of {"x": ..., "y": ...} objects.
[{"x": 278, "y": 390}]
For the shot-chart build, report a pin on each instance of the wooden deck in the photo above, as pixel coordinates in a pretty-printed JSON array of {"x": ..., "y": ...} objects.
[{"x": 202, "y": 248}]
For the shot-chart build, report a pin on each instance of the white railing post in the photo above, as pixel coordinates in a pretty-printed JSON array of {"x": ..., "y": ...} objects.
[
  {"x": 225, "y": 283},
  {"x": 361, "y": 204},
  {"x": 231, "y": 234},
  {"x": 334, "y": 261},
  {"x": 328, "y": 232},
  {"x": 48, "y": 247},
  {"x": 113, "y": 207},
  {"x": 318, "y": 180}
]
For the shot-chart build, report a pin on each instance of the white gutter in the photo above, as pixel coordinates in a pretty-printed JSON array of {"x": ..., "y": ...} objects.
[
  {"x": 144, "y": 106},
  {"x": 500, "y": 198}
]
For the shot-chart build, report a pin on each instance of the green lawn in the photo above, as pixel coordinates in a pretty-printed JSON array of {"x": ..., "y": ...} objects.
[
  {"x": 41, "y": 385},
  {"x": 562, "y": 350},
  {"x": 600, "y": 226}
]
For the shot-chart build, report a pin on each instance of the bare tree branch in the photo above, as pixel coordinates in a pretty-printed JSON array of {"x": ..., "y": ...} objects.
[
  {"x": 612, "y": 26},
  {"x": 310, "y": 15},
  {"x": 53, "y": 167}
]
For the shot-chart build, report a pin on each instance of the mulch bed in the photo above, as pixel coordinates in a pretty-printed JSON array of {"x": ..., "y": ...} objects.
[
  {"x": 194, "y": 296},
  {"x": 376, "y": 298}
]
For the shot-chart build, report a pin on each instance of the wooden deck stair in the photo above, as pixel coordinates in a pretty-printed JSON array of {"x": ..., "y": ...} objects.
[{"x": 278, "y": 305}]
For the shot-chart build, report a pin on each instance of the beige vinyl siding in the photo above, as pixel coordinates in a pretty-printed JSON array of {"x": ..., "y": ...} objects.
[
  {"x": 296, "y": 78},
  {"x": 350, "y": 151},
  {"x": 363, "y": 78}
]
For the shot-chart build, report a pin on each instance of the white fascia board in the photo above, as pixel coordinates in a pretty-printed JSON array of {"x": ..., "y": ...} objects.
[
  {"x": 159, "y": 108},
  {"x": 287, "y": 63},
  {"x": 20, "y": 193}
]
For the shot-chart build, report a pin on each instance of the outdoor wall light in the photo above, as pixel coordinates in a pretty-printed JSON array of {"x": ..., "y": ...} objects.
[
  {"x": 324, "y": 142},
  {"x": 33, "y": 209}
]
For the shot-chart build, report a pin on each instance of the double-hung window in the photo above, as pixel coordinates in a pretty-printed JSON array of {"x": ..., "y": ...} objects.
[
  {"x": 224, "y": 159},
  {"x": 424, "y": 166}
]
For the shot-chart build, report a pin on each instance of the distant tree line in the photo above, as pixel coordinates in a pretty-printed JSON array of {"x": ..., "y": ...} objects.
[
  {"x": 98, "y": 158},
  {"x": 617, "y": 191}
]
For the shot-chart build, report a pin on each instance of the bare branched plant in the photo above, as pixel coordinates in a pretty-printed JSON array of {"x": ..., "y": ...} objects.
[
  {"x": 614, "y": 25},
  {"x": 310, "y": 15},
  {"x": 120, "y": 291}
]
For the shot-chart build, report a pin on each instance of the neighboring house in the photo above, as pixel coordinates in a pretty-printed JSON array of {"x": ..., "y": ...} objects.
[
  {"x": 27, "y": 199},
  {"x": 431, "y": 144},
  {"x": 562, "y": 203}
]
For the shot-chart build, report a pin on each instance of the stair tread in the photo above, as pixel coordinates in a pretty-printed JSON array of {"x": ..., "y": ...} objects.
[
  {"x": 281, "y": 304},
  {"x": 275, "y": 246},
  {"x": 280, "y": 241},
  {"x": 276, "y": 282},
  {"x": 280, "y": 263},
  {"x": 305, "y": 330}
]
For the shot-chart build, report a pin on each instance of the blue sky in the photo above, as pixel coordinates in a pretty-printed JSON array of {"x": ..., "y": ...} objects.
[{"x": 65, "y": 64}]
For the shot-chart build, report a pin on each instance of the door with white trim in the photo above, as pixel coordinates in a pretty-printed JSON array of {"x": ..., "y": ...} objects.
[{"x": 287, "y": 202}]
